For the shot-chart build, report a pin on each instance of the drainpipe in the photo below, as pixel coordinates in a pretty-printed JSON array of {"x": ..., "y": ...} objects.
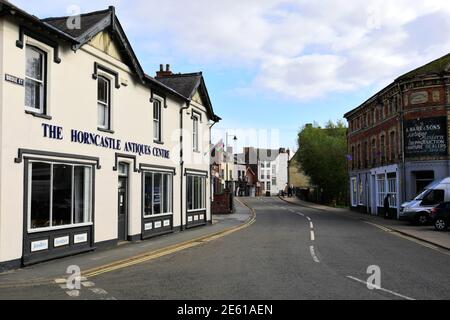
[
  {"x": 188, "y": 104},
  {"x": 211, "y": 189}
]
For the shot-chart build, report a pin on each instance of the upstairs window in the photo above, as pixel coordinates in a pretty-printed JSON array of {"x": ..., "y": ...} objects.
[
  {"x": 35, "y": 85},
  {"x": 195, "y": 133},
  {"x": 104, "y": 102},
  {"x": 157, "y": 120}
]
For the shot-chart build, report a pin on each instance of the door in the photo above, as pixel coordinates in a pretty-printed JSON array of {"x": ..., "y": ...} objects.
[{"x": 123, "y": 202}]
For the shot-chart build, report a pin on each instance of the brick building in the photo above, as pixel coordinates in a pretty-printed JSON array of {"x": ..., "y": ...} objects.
[{"x": 398, "y": 139}]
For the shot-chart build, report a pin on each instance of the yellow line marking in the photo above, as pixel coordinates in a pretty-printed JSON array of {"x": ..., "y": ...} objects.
[{"x": 121, "y": 264}]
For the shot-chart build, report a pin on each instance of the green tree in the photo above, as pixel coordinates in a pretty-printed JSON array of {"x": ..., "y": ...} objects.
[{"x": 322, "y": 157}]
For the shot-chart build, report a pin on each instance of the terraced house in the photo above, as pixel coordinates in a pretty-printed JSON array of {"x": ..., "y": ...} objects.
[
  {"x": 93, "y": 150},
  {"x": 398, "y": 139}
]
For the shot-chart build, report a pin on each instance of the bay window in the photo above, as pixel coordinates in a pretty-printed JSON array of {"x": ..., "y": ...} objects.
[
  {"x": 35, "y": 84},
  {"x": 157, "y": 193},
  {"x": 59, "y": 195},
  {"x": 196, "y": 192}
]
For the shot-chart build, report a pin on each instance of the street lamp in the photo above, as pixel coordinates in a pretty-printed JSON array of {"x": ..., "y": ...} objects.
[{"x": 227, "y": 179}]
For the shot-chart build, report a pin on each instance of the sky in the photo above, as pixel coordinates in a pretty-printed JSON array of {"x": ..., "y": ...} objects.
[{"x": 272, "y": 66}]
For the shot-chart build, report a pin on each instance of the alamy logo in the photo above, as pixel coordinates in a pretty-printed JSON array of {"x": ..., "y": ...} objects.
[
  {"x": 74, "y": 280},
  {"x": 374, "y": 280},
  {"x": 74, "y": 20}
]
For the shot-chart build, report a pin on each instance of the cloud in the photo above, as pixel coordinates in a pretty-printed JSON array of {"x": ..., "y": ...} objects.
[{"x": 298, "y": 49}]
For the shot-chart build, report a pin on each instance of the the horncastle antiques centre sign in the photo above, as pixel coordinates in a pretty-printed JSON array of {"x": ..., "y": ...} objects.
[{"x": 426, "y": 137}]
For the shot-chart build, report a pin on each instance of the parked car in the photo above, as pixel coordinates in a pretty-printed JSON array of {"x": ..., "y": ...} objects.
[
  {"x": 418, "y": 210},
  {"x": 441, "y": 216}
]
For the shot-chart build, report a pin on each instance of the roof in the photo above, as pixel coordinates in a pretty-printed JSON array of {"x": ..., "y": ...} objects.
[
  {"x": 187, "y": 84},
  {"x": 436, "y": 67},
  {"x": 87, "y": 21}
]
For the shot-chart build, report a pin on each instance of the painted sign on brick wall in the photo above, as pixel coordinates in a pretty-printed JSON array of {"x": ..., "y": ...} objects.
[{"x": 426, "y": 137}]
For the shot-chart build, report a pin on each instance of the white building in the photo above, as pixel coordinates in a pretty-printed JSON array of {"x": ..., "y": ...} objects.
[
  {"x": 273, "y": 170},
  {"x": 93, "y": 150}
]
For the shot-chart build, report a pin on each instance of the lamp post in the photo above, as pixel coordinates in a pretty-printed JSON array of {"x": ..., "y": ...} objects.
[{"x": 227, "y": 176}]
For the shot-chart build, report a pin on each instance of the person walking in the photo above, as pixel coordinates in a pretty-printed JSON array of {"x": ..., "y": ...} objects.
[{"x": 387, "y": 206}]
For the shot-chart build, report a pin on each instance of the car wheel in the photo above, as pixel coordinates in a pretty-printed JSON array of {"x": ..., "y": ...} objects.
[
  {"x": 422, "y": 219},
  {"x": 440, "y": 225}
]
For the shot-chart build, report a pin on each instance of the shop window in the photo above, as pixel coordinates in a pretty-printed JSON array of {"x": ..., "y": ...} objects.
[
  {"x": 103, "y": 102},
  {"x": 381, "y": 189},
  {"x": 361, "y": 192},
  {"x": 60, "y": 195},
  {"x": 423, "y": 179},
  {"x": 196, "y": 192},
  {"x": 157, "y": 121},
  {"x": 195, "y": 133},
  {"x": 157, "y": 193},
  {"x": 354, "y": 192},
  {"x": 392, "y": 190},
  {"x": 35, "y": 80}
]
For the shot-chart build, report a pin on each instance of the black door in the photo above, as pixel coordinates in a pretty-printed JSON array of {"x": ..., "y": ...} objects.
[{"x": 123, "y": 208}]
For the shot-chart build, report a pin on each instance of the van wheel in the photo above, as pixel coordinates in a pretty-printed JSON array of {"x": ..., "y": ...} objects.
[
  {"x": 440, "y": 225},
  {"x": 422, "y": 219}
]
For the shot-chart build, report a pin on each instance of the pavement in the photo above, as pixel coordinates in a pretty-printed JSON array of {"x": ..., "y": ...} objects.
[
  {"x": 94, "y": 261},
  {"x": 289, "y": 252},
  {"x": 423, "y": 233}
]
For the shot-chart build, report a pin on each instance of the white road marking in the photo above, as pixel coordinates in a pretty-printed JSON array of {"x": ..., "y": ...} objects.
[
  {"x": 59, "y": 281},
  {"x": 313, "y": 238},
  {"x": 313, "y": 254},
  {"x": 73, "y": 293},
  {"x": 381, "y": 289},
  {"x": 99, "y": 291},
  {"x": 309, "y": 219},
  {"x": 88, "y": 284},
  {"x": 311, "y": 225}
]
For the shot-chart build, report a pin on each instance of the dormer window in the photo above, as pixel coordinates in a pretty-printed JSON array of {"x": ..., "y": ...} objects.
[
  {"x": 104, "y": 102},
  {"x": 35, "y": 84}
]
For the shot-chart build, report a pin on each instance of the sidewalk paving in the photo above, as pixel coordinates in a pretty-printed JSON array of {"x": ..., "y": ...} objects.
[
  {"x": 426, "y": 233},
  {"x": 48, "y": 271}
]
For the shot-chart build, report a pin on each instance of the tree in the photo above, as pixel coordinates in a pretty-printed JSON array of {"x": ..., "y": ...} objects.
[{"x": 322, "y": 157}]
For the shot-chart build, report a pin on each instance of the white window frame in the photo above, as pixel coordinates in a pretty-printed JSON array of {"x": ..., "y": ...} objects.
[
  {"x": 195, "y": 132},
  {"x": 202, "y": 192},
  {"x": 87, "y": 218},
  {"x": 392, "y": 190},
  {"x": 42, "y": 82},
  {"x": 106, "y": 105},
  {"x": 157, "y": 123},
  {"x": 381, "y": 189},
  {"x": 170, "y": 204}
]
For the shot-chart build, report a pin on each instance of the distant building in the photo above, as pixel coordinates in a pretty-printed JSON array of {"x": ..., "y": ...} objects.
[
  {"x": 398, "y": 139},
  {"x": 297, "y": 177}
]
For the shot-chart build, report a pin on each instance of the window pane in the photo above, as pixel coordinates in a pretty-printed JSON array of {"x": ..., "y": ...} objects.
[
  {"x": 102, "y": 115},
  {"x": 157, "y": 207},
  {"x": 82, "y": 194},
  {"x": 103, "y": 86},
  {"x": 167, "y": 193},
  {"x": 190, "y": 192},
  {"x": 156, "y": 110},
  {"x": 34, "y": 63},
  {"x": 62, "y": 194},
  {"x": 156, "y": 130},
  {"x": 33, "y": 94},
  {"x": 148, "y": 194},
  {"x": 40, "y": 195}
]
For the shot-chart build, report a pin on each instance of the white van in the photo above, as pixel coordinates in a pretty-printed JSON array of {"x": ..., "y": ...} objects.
[{"x": 418, "y": 210}]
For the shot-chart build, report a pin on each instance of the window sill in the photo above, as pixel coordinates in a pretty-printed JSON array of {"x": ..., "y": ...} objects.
[
  {"x": 38, "y": 115},
  {"x": 158, "y": 142},
  {"x": 69, "y": 226},
  {"x": 158, "y": 215},
  {"x": 105, "y": 130},
  {"x": 196, "y": 210}
]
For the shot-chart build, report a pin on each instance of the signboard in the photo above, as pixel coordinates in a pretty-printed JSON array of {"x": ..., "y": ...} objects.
[
  {"x": 14, "y": 80},
  {"x": 426, "y": 137}
]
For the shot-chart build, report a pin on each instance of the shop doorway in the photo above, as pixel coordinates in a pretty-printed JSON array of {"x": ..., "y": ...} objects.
[{"x": 123, "y": 202}]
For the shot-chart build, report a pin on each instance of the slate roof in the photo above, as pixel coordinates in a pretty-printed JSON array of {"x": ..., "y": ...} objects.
[
  {"x": 436, "y": 67},
  {"x": 186, "y": 84},
  {"x": 88, "y": 21}
]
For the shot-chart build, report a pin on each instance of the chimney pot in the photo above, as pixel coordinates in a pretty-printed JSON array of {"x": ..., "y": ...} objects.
[
  {"x": 161, "y": 67},
  {"x": 168, "y": 67}
]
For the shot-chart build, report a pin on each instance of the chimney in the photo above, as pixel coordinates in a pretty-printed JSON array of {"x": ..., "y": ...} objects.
[{"x": 163, "y": 73}]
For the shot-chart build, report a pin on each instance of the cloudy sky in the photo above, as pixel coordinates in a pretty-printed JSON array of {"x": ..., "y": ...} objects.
[{"x": 275, "y": 65}]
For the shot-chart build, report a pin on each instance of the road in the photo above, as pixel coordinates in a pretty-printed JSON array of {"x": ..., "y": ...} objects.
[{"x": 290, "y": 252}]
